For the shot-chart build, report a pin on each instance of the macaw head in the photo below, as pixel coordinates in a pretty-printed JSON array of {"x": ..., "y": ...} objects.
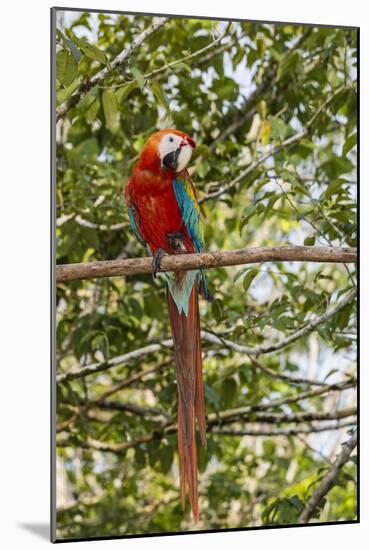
[{"x": 166, "y": 150}]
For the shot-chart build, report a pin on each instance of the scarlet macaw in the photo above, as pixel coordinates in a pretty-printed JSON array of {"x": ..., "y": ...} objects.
[{"x": 165, "y": 217}]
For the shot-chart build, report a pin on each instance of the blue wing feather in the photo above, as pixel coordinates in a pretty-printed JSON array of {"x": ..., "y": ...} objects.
[
  {"x": 132, "y": 221},
  {"x": 190, "y": 210}
]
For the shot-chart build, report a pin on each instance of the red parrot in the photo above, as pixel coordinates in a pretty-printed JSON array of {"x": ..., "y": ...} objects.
[{"x": 165, "y": 216}]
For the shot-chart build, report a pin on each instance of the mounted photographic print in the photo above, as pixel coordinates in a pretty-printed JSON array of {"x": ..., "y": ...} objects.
[{"x": 204, "y": 323}]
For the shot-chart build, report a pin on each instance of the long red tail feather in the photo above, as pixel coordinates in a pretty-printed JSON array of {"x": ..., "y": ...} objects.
[{"x": 191, "y": 404}]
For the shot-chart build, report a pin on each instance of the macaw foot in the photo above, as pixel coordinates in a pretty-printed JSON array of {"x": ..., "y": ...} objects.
[
  {"x": 156, "y": 261},
  {"x": 175, "y": 241}
]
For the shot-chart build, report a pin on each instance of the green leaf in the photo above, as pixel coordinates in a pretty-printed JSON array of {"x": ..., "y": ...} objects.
[
  {"x": 64, "y": 93},
  {"x": 247, "y": 214},
  {"x": 334, "y": 187},
  {"x": 211, "y": 396},
  {"x": 271, "y": 202},
  {"x": 349, "y": 144},
  {"x": 262, "y": 108},
  {"x": 260, "y": 184},
  {"x": 140, "y": 457},
  {"x": 92, "y": 111},
  {"x": 85, "y": 149},
  {"x": 249, "y": 277},
  {"x": 111, "y": 113},
  {"x": 240, "y": 273},
  {"x": 229, "y": 390},
  {"x": 203, "y": 458},
  {"x": 249, "y": 210},
  {"x": 203, "y": 168},
  {"x": 287, "y": 64},
  {"x": 91, "y": 51},
  {"x": 309, "y": 241},
  {"x": 165, "y": 454},
  {"x": 138, "y": 76},
  {"x": 71, "y": 45},
  {"x": 344, "y": 316},
  {"x": 335, "y": 166},
  {"x": 227, "y": 89},
  {"x": 66, "y": 68},
  {"x": 217, "y": 310},
  {"x": 160, "y": 95},
  {"x": 88, "y": 99},
  {"x": 99, "y": 342},
  {"x": 279, "y": 128},
  {"x": 123, "y": 92}
]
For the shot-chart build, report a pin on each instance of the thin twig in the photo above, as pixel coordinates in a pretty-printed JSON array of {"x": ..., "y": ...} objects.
[
  {"x": 90, "y": 83},
  {"x": 224, "y": 188},
  {"x": 285, "y": 431},
  {"x": 245, "y": 412},
  {"x": 120, "y": 360},
  {"x": 328, "y": 480},
  {"x": 248, "y": 109},
  {"x": 186, "y": 58},
  {"x": 286, "y": 377}
]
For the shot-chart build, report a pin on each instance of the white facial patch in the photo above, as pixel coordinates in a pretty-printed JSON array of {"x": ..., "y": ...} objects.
[
  {"x": 170, "y": 143},
  {"x": 184, "y": 157}
]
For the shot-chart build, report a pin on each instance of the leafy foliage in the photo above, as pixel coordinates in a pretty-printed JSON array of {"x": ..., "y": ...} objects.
[{"x": 273, "y": 111}]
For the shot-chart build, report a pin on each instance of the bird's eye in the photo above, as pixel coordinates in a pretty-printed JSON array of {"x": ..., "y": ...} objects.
[{"x": 171, "y": 139}]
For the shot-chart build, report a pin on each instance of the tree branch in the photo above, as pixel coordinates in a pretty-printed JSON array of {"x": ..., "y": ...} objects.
[
  {"x": 328, "y": 480},
  {"x": 285, "y": 431},
  {"x": 94, "y": 368},
  {"x": 286, "y": 377},
  {"x": 246, "y": 412},
  {"x": 85, "y": 408},
  {"x": 130, "y": 407},
  {"x": 253, "y": 417},
  {"x": 240, "y": 414},
  {"x": 77, "y": 218},
  {"x": 87, "y": 85},
  {"x": 204, "y": 260},
  {"x": 304, "y": 331},
  {"x": 119, "y": 448},
  {"x": 211, "y": 338},
  {"x": 278, "y": 418},
  {"x": 104, "y": 446},
  {"x": 90, "y": 443}
]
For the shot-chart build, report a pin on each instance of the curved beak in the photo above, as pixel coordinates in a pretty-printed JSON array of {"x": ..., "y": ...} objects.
[{"x": 178, "y": 158}]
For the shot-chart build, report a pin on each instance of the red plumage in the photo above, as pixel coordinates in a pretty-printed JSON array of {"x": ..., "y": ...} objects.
[
  {"x": 150, "y": 193},
  {"x": 151, "y": 198},
  {"x": 155, "y": 208}
]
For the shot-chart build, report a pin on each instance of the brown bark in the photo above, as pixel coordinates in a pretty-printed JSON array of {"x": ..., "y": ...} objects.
[{"x": 205, "y": 260}]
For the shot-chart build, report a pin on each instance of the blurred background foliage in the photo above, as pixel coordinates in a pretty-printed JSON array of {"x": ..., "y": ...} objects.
[{"x": 272, "y": 108}]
